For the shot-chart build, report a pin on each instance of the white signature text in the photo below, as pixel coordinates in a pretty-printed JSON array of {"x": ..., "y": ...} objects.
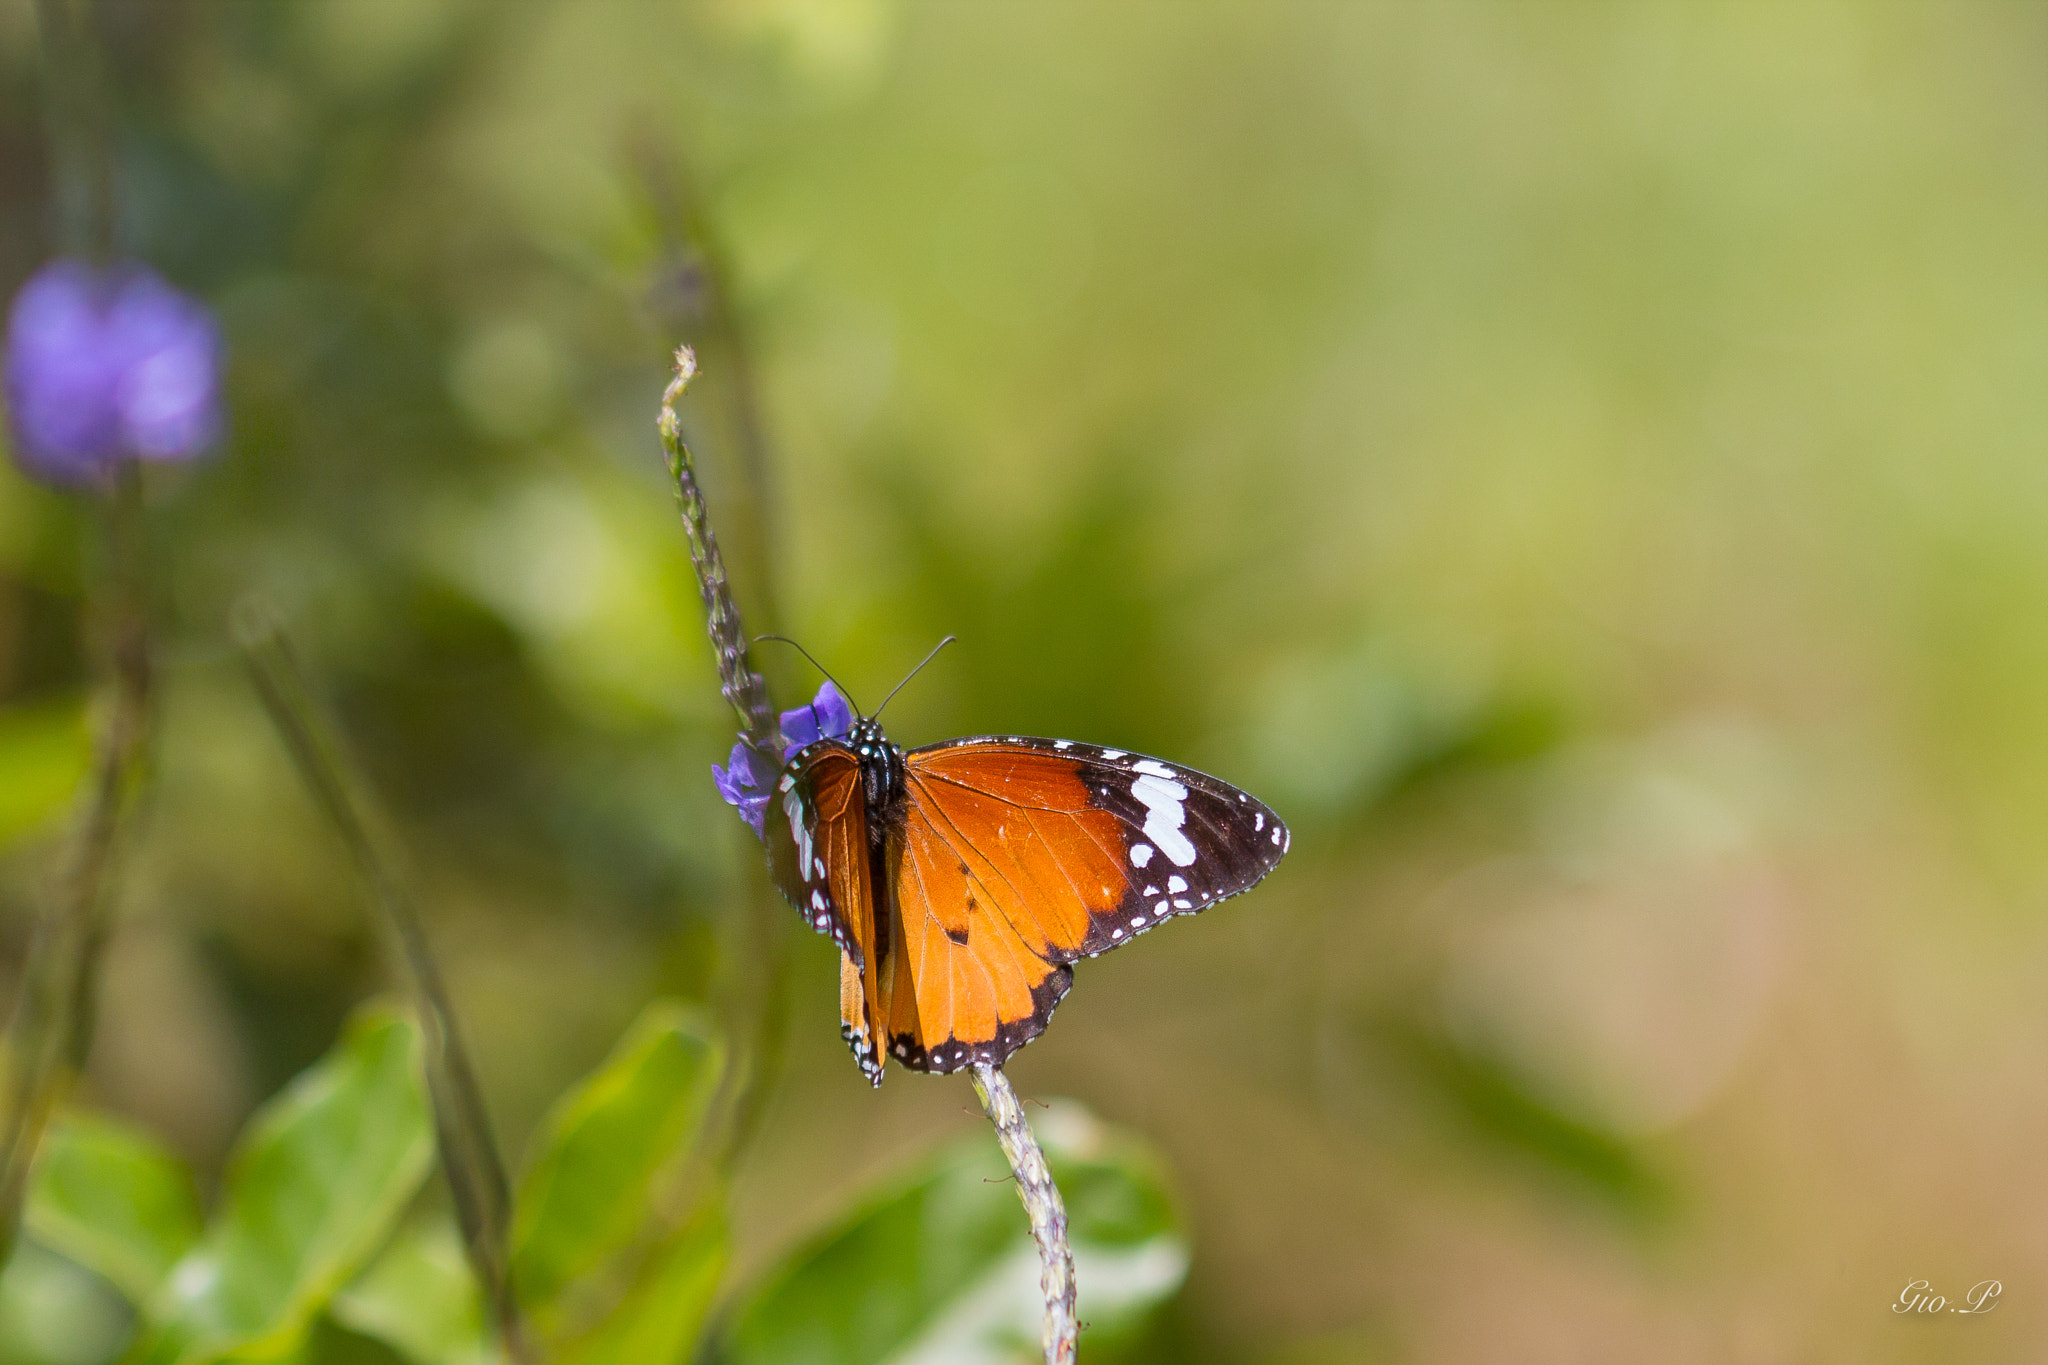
[{"x": 1918, "y": 1297}]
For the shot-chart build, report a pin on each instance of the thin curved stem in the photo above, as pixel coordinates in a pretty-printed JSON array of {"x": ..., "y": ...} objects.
[
  {"x": 469, "y": 1153},
  {"x": 743, "y": 688},
  {"x": 50, "y": 1031},
  {"x": 1042, "y": 1204},
  {"x": 753, "y": 975}
]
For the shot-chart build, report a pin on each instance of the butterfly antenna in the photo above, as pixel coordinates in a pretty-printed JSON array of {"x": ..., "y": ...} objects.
[
  {"x": 784, "y": 639},
  {"x": 915, "y": 671}
]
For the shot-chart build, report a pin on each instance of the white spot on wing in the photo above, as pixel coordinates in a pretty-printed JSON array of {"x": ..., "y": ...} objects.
[
  {"x": 1112, "y": 753},
  {"x": 1258, "y": 822},
  {"x": 1063, "y": 744},
  {"x": 1152, "y": 766},
  {"x": 1165, "y": 813},
  {"x": 1176, "y": 884},
  {"x": 1183, "y": 905},
  {"x": 1141, "y": 854},
  {"x": 793, "y": 805}
]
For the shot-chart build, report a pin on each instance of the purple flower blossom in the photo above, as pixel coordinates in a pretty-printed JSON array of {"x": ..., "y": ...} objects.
[
  {"x": 108, "y": 364},
  {"x": 828, "y": 716},
  {"x": 745, "y": 784}
]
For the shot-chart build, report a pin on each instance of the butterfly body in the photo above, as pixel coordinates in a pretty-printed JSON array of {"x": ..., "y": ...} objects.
[
  {"x": 962, "y": 880},
  {"x": 881, "y": 773}
]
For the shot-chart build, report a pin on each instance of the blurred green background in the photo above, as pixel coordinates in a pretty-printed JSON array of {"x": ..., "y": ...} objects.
[{"x": 1585, "y": 465}]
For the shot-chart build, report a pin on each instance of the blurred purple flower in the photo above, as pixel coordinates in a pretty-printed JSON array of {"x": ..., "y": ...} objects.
[
  {"x": 108, "y": 364},
  {"x": 745, "y": 783}
]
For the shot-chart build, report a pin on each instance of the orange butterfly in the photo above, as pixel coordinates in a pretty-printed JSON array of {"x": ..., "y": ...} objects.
[{"x": 963, "y": 879}]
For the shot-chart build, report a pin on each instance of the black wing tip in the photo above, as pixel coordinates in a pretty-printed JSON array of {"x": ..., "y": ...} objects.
[{"x": 953, "y": 1055}]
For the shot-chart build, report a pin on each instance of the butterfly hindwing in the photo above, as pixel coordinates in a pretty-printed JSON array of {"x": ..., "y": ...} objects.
[
  {"x": 966, "y": 985},
  {"x": 1019, "y": 856}
]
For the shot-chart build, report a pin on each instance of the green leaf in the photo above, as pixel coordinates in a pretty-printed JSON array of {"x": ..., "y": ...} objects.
[
  {"x": 44, "y": 753},
  {"x": 607, "y": 1152},
  {"x": 319, "y": 1178},
  {"x": 112, "y": 1200},
  {"x": 941, "y": 1267},
  {"x": 421, "y": 1299},
  {"x": 54, "y": 1311},
  {"x": 662, "y": 1315}
]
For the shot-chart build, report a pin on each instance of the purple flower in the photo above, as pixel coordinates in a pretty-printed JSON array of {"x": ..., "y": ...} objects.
[
  {"x": 108, "y": 364},
  {"x": 745, "y": 784},
  {"x": 827, "y": 717}
]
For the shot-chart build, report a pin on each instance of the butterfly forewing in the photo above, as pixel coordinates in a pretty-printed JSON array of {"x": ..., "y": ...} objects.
[
  {"x": 1018, "y": 856},
  {"x": 816, "y": 797},
  {"x": 1130, "y": 840},
  {"x": 818, "y": 850}
]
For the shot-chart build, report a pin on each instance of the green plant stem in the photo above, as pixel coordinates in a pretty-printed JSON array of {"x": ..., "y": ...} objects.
[
  {"x": 745, "y": 690},
  {"x": 753, "y": 980},
  {"x": 50, "y": 1031},
  {"x": 469, "y": 1154},
  {"x": 1042, "y": 1204},
  {"x": 753, "y": 972}
]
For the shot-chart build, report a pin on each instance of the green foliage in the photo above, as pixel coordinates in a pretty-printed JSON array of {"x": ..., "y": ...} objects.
[
  {"x": 55, "y": 1312},
  {"x": 607, "y": 1153},
  {"x": 318, "y": 1181},
  {"x": 114, "y": 1201},
  {"x": 421, "y": 1299},
  {"x": 620, "y": 1242},
  {"x": 941, "y": 1267},
  {"x": 43, "y": 757},
  {"x": 614, "y": 1254},
  {"x": 663, "y": 1310}
]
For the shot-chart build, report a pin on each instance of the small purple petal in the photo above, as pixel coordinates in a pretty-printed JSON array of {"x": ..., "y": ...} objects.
[
  {"x": 744, "y": 785},
  {"x": 106, "y": 364},
  {"x": 166, "y": 397},
  {"x": 828, "y": 716},
  {"x": 60, "y": 375}
]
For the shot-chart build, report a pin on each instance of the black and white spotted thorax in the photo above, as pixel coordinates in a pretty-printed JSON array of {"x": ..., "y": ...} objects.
[{"x": 881, "y": 775}]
